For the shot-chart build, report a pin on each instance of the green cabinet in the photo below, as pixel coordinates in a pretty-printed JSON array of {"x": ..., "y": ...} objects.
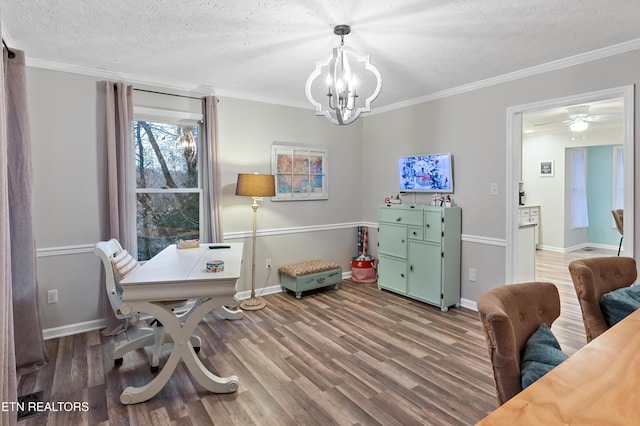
[{"x": 419, "y": 253}]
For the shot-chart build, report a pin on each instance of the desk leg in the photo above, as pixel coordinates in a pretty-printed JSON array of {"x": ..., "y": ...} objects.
[
  {"x": 229, "y": 314},
  {"x": 182, "y": 349}
]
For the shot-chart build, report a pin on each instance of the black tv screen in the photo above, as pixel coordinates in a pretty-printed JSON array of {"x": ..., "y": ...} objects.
[{"x": 426, "y": 173}]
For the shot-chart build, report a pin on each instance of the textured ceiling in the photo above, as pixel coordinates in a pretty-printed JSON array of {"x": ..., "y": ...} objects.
[{"x": 267, "y": 48}]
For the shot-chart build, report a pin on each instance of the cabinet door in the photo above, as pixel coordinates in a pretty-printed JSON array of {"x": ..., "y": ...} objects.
[
  {"x": 392, "y": 274},
  {"x": 433, "y": 225},
  {"x": 392, "y": 240},
  {"x": 425, "y": 272}
]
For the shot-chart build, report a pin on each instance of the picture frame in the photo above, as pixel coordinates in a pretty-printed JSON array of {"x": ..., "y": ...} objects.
[
  {"x": 546, "y": 168},
  {"x": 300, "y": 172}
]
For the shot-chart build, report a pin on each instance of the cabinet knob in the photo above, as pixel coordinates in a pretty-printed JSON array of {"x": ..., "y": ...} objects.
[
  {"x": 411, "y": 268},
  {"x": 428, "y": 225},
  {"x": 398, "y": 219},
  {"x": 402, "y": 241},
  {"x": 402, "y": 275},
  {"x": 415, "y": 233}
]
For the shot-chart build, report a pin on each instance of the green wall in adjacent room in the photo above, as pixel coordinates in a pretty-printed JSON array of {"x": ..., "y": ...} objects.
[{"x": 599, "y": 192}]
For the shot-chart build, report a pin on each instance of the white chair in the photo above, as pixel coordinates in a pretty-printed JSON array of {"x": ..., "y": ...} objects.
[{"x": 147, "y": 336}]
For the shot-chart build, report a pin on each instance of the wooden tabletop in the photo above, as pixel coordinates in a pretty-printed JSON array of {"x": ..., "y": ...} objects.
[{"x": 598, "y": 385}]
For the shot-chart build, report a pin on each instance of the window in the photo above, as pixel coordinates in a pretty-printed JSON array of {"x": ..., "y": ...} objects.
[
  {"x": 579, "y": 213},
  {"x": 618, "y": 179},
  {"x": 168, "y": 185}
]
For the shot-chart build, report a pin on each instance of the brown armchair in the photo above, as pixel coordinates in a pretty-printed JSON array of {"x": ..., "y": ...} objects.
[
  {"x": 510, "y": 314},
  {"x": 594, "y": 277}
]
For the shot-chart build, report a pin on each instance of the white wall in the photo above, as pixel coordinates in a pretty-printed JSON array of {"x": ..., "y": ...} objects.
[{"x": 552, "y": 193}]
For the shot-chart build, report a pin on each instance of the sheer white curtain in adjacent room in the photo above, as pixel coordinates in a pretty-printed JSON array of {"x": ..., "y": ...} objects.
[
  {"x": 618, "y": 179},
  {"x": 579, "y": 213}
]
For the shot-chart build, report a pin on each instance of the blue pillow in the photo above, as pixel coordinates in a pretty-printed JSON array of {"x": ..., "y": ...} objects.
[
  {"x": 617, "y": 304},
  {"x": 541, "y": 354}
]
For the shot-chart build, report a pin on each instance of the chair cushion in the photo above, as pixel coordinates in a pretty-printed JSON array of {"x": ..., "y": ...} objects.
[
  {"x": 617, "y": 304},
  {"x": 541, "y": 354},
  {"x": 122, "y": 264}
]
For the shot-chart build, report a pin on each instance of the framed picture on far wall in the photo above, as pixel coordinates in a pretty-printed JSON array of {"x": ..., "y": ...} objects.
[
  {"x": 300, "y": 172},
  {"x": 546, "y": 168}
]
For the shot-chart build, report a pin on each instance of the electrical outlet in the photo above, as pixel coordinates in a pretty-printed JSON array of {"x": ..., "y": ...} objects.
[
  {"x": 52, "y": 296},
  {"x": 267, "y": 263},
  {"x": 472, "y": 274},
  {"x": 495, "y": 188}
]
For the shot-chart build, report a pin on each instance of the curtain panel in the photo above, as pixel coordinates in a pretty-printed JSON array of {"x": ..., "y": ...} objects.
[
  {"x": 212, "y": 187},
  {"x": 120, "y": 187},
  {"x": 30, "y": 351},
  {"x": 579, "y": 207},
  {"x": 8, "y": 381}
]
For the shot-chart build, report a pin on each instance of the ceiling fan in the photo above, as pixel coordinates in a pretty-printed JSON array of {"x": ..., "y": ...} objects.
[{"x": 579, "y": 119}]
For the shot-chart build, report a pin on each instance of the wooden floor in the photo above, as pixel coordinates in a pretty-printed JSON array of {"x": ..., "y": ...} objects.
[
  {"x": 356, "y": 356},
  {"x": 552, "y": 267}
]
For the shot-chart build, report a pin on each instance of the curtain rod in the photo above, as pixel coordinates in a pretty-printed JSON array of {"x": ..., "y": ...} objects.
[
  {"x": 168, "y": 94},
  {"x": 10, "y": 52}
]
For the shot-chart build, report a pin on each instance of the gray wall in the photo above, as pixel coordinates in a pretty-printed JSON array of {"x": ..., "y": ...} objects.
[
  {"x": 67, "y": 129},
  {"x": 472, "y": 126},
  {"x": 67, "y": 123}
]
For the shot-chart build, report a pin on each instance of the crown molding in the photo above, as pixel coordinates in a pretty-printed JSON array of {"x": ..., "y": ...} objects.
[
  {"x": 112, "y": 75},
  {"x": 516, "y": 75},
  {"x": 207, "y": 90}
]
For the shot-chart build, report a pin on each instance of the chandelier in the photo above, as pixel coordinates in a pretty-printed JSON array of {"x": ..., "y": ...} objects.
[{"x": 348, "y": 75}]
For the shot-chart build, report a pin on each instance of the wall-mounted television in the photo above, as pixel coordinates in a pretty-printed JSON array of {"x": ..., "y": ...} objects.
[{"x": 426, "y": 173}]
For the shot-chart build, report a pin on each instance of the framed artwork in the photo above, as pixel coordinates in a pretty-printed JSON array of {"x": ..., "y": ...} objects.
[
  {"x": 300, "y": 172},
  {"x": 546, "y": 168}
]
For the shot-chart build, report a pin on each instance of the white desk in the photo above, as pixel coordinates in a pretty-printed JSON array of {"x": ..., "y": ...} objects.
[{"x": 175, "y": 274}]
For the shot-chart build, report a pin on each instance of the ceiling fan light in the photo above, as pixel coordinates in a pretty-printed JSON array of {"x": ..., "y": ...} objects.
[{"x": 579, "y": 126}]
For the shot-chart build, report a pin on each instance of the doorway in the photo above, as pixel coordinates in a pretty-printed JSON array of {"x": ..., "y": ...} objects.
[{"x": 515, "y": 167}]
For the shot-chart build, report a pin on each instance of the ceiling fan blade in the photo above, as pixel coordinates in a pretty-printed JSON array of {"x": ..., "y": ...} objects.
[
  {"x": 603, "y": 118},
  {"x": 553, "y": 122}
]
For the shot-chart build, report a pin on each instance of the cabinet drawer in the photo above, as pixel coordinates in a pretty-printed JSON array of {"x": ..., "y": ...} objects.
[
  {"x": 403, "y": 217},
  {"x": 416, "y": 233}
]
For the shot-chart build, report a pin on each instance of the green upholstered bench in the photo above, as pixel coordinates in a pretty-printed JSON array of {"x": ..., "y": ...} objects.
[{"x": 309, "y": 275}]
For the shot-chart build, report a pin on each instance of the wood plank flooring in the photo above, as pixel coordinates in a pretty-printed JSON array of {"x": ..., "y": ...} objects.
[
  {"x": 356, "y": 356},
  {"x": 552, "y": 267}
]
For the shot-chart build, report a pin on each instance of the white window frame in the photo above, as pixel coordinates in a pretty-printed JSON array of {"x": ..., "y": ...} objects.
[{"x": 169, "y": 117}]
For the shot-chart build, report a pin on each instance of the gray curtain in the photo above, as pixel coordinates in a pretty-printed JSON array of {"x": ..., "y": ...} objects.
[
  {"x": 212, "y": 186},
  {"x": 121, "y": 201},
  {"x": 30, "y": 352},
  {"x": 8, "y": 383}
]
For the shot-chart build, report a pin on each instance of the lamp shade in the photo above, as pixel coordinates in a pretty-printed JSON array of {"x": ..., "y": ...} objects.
[{"x": 256, "y": 185}]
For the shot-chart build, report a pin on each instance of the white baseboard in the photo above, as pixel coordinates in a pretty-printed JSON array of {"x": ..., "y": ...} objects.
[
  {"x": 469, "y": 304},
  {"x": 84, "y": 327},
  {"x": 577, "y": 247},
  {"x": 71, "y": 329}
]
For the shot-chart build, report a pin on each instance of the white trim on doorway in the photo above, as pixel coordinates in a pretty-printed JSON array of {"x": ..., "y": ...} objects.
[{"x": 514, "y": 162}]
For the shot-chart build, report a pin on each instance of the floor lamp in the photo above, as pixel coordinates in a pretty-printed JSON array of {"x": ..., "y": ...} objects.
[{"x": 256, "y": 186}]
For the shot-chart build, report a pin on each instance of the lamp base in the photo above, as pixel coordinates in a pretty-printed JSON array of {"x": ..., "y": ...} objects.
[{"x": 253, "y": 304}]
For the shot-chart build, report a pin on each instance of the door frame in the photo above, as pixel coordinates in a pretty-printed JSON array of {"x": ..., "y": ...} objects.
[{"x": 514, "y": 163}]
